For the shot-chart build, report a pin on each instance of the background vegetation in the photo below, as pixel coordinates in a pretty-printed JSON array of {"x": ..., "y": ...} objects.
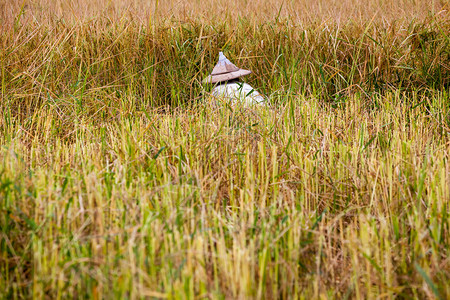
[{"x": 118, "y": 179}]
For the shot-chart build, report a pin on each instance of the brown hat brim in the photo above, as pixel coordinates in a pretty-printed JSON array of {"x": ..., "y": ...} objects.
[{"x": 226, "y": 76}]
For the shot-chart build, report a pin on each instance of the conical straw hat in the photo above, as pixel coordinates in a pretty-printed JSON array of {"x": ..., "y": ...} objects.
[{"x": 225, "y": 70}]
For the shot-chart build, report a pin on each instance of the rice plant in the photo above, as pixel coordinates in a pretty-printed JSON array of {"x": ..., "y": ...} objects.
[{"x": 119, "y": 178}]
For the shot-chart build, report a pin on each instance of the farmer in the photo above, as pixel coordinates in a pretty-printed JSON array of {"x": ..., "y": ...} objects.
[{"x": 226, "y": 77}]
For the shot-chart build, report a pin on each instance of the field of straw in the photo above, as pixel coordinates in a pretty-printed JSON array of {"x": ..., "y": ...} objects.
[{"x": 120, "y": 180}]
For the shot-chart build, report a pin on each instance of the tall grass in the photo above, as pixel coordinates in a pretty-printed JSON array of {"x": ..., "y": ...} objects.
[
  {"x": 119, "y": 180},
  {"x": 164, "y": 64}
]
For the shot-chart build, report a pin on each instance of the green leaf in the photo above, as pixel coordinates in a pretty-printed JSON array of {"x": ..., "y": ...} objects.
[{"x": 428, "y": 280}]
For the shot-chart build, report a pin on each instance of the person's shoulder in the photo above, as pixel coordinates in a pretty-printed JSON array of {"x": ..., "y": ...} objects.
[
  {"x": 227, "y": 87},
  {"x": 235, "y": 87},
  {"x": 239, "y": 86},
  {"x": 247, "y": 86}
]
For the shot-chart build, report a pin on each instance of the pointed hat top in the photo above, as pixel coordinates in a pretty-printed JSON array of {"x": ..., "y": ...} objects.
[
  {"x": 224, "y": 66},
  {"x": 225, "y": 70}
]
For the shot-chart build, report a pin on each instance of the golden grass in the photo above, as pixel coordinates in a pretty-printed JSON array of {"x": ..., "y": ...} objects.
[
  {"x": 145, "y": 12},
  {"x": 302, "y": 200},
  {"x": 119, "y": 180}
]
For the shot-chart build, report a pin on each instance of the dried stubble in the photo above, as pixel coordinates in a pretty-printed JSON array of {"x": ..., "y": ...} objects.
[{"x": 341, "y": 189}]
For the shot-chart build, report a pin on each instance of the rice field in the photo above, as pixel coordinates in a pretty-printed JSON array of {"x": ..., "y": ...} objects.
[{"x": 120, "y": 177}]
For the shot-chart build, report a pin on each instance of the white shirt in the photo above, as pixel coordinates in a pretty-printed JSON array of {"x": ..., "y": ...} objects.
[{"x": 238, "y": 92}]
